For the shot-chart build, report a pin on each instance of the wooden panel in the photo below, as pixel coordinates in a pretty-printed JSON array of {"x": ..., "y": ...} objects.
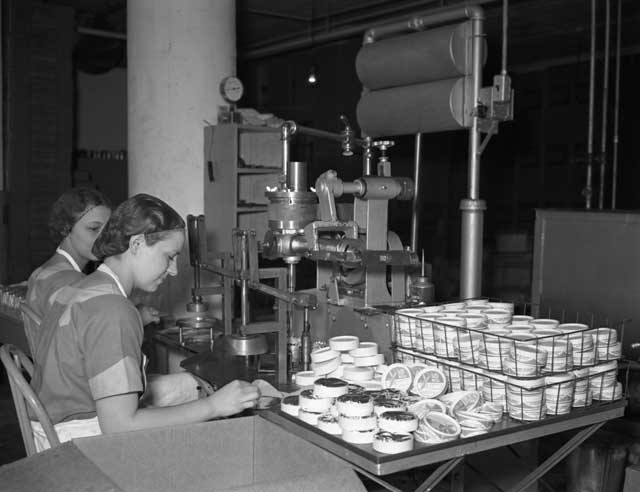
[{"x": 39, "y": 124}]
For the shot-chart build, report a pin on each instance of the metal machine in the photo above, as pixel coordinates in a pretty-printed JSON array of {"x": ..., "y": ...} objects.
[{"x": 422, "y": 75}]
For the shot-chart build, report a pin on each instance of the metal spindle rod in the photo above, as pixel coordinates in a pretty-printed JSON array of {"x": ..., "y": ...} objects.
[
  {"x": 616, "y": 111},
  {"x": 415, "y": 204},
  {"x": 244, "y": 285},
  {"x": 605, "y": 104},
  {"x": 505, "y": 26},
  {"x": 285, "y": 136},
  {"x": 367, "y": 157}
]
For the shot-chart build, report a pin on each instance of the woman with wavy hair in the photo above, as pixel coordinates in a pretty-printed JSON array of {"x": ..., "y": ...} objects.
[
  {"x": 76, "y": 219},
  {"x": 90, "y": 368}
]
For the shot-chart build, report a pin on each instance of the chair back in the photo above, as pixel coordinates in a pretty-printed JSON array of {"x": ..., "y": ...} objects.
[
  {"x": 17, "y": 363},
  {"x": 31, "y": 322}
]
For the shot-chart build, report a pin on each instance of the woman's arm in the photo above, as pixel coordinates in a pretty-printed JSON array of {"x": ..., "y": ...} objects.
[{"x": 120, "y": 413}]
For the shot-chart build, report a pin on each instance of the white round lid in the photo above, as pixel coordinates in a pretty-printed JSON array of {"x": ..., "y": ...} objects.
[{"x": 397, "y": 376}]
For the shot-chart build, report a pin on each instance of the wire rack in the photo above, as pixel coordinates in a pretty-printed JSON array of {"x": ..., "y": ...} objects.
[
  {"x": 526, "y": 399},
  {"x": 511, "y": 344},
  {"x": 532, "y": 360}
]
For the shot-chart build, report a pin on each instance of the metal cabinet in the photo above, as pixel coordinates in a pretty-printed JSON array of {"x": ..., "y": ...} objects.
[
  {"x": 240, "y": 162},
  {"x": 589, "y": 261}
]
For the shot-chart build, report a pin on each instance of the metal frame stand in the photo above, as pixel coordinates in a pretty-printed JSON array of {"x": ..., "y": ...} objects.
[{"x": 456, "y": 465}]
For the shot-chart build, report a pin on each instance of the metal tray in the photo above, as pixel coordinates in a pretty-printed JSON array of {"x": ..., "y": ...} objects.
[{"x": 502, "y": 434}]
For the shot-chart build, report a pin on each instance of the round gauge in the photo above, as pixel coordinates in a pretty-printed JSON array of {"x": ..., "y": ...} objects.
[{"x": 231, "y": 89}]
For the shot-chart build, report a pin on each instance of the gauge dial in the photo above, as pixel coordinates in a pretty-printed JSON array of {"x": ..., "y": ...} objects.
[{"x": 231, "y": 89}]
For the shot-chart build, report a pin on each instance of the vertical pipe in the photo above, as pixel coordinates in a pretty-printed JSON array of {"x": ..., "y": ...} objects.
[
  {"x": 305, "y": 341},
  {"x": 616, "y": 112},
  {"x": 472, "y": 208},
  {"x": 367, "y": 157},
  {"x": 244, "y": 289},
  {"x": 415, "y": 205},
  {"x": 292, "y": 277},
  {"x": 505, "y": 26},
  {"x": 285, "y": 136},
  {"x": 592, "y": 81},
  {"x": 605, "y": 104}
]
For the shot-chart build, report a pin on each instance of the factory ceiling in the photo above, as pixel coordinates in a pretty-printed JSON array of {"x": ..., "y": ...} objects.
[{"x": 539, "y": 30}]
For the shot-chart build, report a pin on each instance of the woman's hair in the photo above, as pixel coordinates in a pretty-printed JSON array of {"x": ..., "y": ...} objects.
[
  {"x": 70, "y": 207},
  {"x": 140, "y": 214}
]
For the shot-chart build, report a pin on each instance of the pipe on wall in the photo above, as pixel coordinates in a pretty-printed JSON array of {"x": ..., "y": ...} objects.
[
  {"x": 592, "y": 79},
  {"x": 616, "y": 110},
  {"x": 605, "y": 104},
  {"x": 306, "y": 40}
]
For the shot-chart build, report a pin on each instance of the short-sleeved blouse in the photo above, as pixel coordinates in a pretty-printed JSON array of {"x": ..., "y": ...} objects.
[
  {"x": 48, "y": 279},
  {"x": 91, "y": 348}
]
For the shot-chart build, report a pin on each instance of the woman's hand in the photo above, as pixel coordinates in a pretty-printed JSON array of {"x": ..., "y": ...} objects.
[
  {"x": 233, "y": 398},
  {"x": 148, "y": 314}
]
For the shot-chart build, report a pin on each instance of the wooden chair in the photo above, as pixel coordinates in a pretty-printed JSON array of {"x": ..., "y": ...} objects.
[
  {"x": 31, "y": 322},
  {"x": 16, "y": 363}
]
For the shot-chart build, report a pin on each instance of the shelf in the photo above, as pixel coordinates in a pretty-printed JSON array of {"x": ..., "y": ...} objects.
[
  {"x": 259, "y": 170},
  {"x": 251, "y": 208},
  {"x": 255, "y": 128}
]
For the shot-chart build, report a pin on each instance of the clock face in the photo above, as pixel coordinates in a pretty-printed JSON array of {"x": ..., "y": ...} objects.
[{"x": 231, "y": 89}]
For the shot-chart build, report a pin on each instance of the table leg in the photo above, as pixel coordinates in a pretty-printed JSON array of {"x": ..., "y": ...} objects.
[
  {"x": 376, "y": 479},
  {"x": 556, "y": 457},
  {"x": 457, "y": 478},
  {"x": 441, "y": 472}
]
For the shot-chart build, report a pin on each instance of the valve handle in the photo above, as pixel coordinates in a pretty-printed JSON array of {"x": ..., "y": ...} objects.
[{"x": 383, "y": 145}]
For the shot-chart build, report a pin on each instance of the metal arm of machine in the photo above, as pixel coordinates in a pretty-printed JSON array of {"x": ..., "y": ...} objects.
[
  {"x": 295, "y": 298},
  {"x": 345, "y": 137},
  {"x": 329, "y": 187}
]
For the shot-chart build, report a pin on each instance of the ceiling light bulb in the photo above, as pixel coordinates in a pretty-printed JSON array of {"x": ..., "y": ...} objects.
[{"x": 312, "y": 76}]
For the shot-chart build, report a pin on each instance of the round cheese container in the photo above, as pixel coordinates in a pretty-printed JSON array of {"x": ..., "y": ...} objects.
[
  {"x": 355, "y": 405},
  {"x": 544, "y": 323},
  {"x": 312, "y": 403},
  {"x": 381, "y": 405},
  {"x": 323, "y": 354},
  {"x": 390, "y": 443},
  {"x": 398, "y": 422},
  {"x": 353, "y": 373},
  {"x": 364, "y": 349},
  {"x": 429, "y": 382},
  {"x": 359, "y": 437},
  {"x": 329, "y": 424},
  {"x": 344, "y": 343},
  {"x": 310, "y": 418},
  {"x": 398, "y": 376},
  {"x": 329, "y": 387},
  {"x": 290, "y": 405},
  {"x": 572, "y": 327},
  {"x": 369, "y": 360},
  {"x": 326, "y": 367},
  {"x": 305, "y": 379},
  {"x": 366, "y": 422},
  {"x": 441, "y": 425},
  {"x": 423, "y": 407}
]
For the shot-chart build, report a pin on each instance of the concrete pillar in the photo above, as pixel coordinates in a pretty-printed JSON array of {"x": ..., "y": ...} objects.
[{"x": 178, "y": 51}]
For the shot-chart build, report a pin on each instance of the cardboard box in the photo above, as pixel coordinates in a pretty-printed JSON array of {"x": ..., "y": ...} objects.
[
  {"x": 246, "y": 453},
  {"x": 632, "y": 479}
]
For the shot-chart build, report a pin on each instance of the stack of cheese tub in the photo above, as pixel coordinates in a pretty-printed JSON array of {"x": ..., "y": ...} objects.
[{"x": 411, "y": 405}]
